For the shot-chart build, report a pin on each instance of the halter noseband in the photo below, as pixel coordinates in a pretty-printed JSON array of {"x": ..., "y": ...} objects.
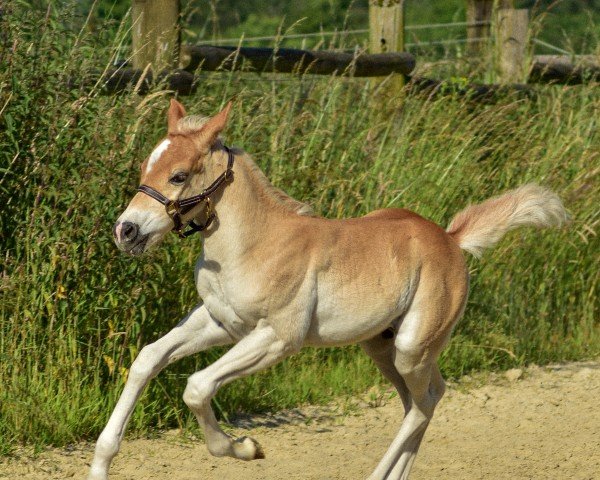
[{"x": 176, "y": 208}]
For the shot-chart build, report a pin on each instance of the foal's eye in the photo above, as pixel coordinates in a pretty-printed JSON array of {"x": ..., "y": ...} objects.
[{"x": 178, "y": 178}]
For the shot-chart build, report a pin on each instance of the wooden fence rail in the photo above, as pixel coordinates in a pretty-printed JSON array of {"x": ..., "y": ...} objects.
[
  {"x": 291, "y": 60},
  {"x": 545, "y": 69},
  {"x": 257, "y": 60},
  {"x": 564, "y": 69}
]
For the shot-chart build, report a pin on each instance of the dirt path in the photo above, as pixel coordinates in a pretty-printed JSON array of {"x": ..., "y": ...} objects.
[{"x": 543, "y": 425}]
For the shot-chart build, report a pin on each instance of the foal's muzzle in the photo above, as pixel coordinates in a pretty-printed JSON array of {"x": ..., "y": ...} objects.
[{"x": 127, "y": 237}]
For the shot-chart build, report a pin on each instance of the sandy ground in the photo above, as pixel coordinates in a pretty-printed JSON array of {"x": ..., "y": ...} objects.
[{"x": 545, "y": 424}]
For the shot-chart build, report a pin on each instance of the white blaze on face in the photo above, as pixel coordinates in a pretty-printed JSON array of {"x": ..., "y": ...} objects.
[{"x": 156, "y": 154}]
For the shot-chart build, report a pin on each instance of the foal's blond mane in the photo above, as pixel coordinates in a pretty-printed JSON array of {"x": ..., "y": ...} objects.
[
  {"x": 273, "y": 192},
  {"x": 192, "y": 123}
]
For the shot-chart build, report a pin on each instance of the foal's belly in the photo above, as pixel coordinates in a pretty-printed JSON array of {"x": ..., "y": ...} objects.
[
  {"x": 352, "y": 313},
  {"x": 333, "y": 331}
]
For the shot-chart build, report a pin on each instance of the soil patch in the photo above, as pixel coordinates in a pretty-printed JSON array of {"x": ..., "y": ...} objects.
[{"x": 540, "y": 423}]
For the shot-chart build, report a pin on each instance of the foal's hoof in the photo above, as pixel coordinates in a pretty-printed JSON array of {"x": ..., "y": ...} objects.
[
  {"x": 248, "y": 449},
  {"x": 259, "y": 453}
]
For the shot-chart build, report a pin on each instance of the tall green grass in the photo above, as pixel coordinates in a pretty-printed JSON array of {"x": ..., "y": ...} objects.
[{"x": 74, "y": 312}]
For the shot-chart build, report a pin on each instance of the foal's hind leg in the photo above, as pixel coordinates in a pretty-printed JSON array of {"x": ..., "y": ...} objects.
[
  {"x": 422, "y": 334},
  {"x": 198, "y": 331},
  {"x": 403, "y": 466},
  {"x": 382, "y": 351},
  {"x": 426, "y": 390},
  {"x": 260, "y": 349}
]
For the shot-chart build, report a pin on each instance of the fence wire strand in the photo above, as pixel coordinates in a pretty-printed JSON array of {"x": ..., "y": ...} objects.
[{"x": 331, "y": 33}]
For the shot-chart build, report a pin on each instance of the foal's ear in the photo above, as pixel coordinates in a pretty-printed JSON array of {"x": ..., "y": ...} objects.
[
  {"x": 207, "y": 135},
  {"x": 176, "y": 113}
]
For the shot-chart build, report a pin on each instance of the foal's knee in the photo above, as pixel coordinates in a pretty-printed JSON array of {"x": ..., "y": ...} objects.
[
  {"x": 437, "y": 390},
  {"x": 199, "y": 390},
  {"x": 437, "y": 387},
  {"x": 146, "y": 365}
]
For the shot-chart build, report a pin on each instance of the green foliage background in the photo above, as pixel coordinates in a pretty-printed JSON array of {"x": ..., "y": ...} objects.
[
  {"x": 569, "y": 24},
  {"x": 74, "y": 312}
]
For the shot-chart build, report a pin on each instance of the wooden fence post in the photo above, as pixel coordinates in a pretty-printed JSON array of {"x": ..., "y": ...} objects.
[
  {"x": 386, "y": 26},
  {"x": 386, "y": 32},
  {"x": 511, "y": 44},
  {"x": 479, "y": 14},
  {"x": 156, "y": 35}
]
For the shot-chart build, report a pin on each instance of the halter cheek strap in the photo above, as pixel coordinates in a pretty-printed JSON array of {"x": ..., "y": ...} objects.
[{"x": 177, "y": 208}]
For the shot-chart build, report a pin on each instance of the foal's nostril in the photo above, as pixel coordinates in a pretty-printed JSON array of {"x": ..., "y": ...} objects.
[{"x": 129, "y": 231}]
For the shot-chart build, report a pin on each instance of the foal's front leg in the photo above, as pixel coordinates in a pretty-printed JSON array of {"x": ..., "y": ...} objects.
[
  {"x": 198, "y": 331},
  {"x": 259, "y": 350}
]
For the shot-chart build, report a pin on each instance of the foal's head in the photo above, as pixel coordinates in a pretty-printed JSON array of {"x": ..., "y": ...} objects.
[{"x": 177, "y": 169}]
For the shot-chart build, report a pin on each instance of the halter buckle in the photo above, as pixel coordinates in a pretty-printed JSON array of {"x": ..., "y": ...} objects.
[
  {"x": 208, "y": 210},
  {"x": 172, "y": 208},
  {"x": 194, "y": 227}
]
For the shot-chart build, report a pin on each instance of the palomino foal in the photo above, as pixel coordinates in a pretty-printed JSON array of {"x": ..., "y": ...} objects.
[{"x": 272, "y": 278}]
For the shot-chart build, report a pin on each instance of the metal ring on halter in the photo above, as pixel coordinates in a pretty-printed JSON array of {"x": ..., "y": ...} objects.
[{"x": 171, "y": 208}]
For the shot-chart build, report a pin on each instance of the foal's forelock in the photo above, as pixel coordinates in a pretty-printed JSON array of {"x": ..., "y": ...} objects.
[{"x": 191, "y": 123}]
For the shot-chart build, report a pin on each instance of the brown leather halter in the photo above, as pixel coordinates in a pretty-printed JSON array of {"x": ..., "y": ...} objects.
[{"x": 176, "y": 208}]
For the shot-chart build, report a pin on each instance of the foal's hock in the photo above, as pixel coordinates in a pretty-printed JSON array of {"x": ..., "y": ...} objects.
[{"x": 273, "y": 278}]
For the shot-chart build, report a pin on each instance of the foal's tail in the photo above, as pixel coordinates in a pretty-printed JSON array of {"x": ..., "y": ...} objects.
[{"x": 481, "y": 226}]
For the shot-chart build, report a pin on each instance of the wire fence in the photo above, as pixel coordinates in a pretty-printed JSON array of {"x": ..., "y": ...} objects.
[
  {"x": 450, "y": 41},
  {"x": 334, "y": 33},
  {"x": 537, "y": 41},
  {"x": 346, "y": 33}
]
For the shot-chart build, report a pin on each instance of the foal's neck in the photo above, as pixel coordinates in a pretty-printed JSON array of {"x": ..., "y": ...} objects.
[{"x": 246, "y": 208}]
